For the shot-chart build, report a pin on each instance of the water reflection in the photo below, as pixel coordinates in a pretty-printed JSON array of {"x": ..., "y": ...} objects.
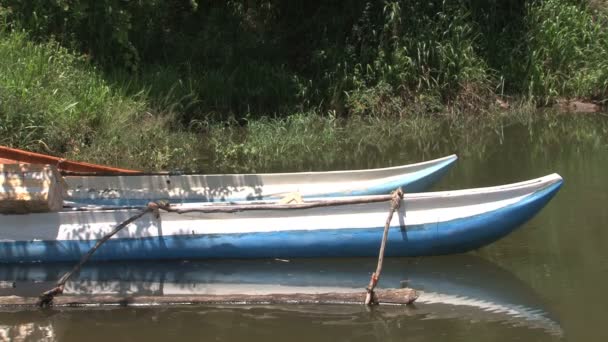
[
  {"x": 465, "y": 288},
  {"x": 34, "y": 331}
]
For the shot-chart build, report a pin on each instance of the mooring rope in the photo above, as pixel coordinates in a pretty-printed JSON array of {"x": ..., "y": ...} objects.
[{"x": 46, "y": 298}]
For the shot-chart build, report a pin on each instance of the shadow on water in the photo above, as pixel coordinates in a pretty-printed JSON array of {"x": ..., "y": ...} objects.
[{"x": 463, "y": 288}]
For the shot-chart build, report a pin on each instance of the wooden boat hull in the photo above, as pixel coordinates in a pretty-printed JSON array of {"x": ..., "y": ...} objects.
[
  {"x": 426, "y": 224},
  {"x": 140, "y": 189},
  {"x": 12, "y": 155}
]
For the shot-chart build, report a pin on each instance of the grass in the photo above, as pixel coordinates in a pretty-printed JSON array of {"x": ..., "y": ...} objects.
[
  {"x": 568, "y": 51},
  {"x": 307, "y": 141},
  {"x": 54, "y": 102}
]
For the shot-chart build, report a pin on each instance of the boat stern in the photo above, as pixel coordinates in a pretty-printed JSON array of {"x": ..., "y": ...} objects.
[{"x": 469, "y": 233}]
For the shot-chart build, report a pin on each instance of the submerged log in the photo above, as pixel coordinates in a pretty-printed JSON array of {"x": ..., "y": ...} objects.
[{"x": 389, "y": 296}]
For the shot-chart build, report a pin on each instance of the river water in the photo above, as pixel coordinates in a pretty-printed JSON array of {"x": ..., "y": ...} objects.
[{"x": 544, "y": 282}]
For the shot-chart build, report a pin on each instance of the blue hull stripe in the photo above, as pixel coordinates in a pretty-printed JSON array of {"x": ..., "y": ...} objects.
[
  {"x": 413, "y": 182},
  {"x": 454, "y": 236}
]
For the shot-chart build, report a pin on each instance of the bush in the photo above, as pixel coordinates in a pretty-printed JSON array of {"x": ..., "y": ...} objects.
[
  {"x": 238, "y": 59},
  {"x": 54, "y": 102},
  {"x": 568, "y": 51}
]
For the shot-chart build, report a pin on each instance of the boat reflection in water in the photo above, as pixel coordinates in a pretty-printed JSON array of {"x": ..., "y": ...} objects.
[{"x": 464, "y": 287}]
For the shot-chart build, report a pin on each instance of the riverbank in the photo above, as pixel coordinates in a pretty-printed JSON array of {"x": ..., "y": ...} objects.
[{"x": 55, "y": 99}]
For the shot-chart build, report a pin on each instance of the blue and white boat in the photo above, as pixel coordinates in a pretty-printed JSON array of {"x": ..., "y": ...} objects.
[
  {"x": 127, "y": 190},
  {"x": 426, "y": 224}
]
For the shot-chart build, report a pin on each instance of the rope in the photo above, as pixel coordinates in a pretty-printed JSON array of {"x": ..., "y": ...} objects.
[{"x": 46, "y": 298}]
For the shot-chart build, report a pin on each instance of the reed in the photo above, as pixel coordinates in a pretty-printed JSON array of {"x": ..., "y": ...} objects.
[{"x": 567, "y": 50}]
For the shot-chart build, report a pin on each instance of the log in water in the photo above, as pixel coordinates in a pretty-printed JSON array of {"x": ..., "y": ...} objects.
[{"x": 388, "y": 296}]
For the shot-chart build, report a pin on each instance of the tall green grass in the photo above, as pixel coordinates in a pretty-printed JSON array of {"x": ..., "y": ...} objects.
[
  {"x": 55, "y": 102},
  {"x": 307, "y": 141},
  {"x": 567, "y": 50}
]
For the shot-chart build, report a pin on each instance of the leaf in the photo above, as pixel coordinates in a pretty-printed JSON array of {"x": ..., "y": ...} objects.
[{"x": 70, "y": 106}]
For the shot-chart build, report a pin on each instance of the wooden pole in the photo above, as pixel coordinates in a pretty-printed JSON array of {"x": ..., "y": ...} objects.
[
  {"x": 371, "y": 297},
  {"x": 62, "y": 164}
]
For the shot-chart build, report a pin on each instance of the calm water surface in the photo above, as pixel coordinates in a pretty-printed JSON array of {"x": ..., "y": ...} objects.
[{"x": 545, "y": 282}]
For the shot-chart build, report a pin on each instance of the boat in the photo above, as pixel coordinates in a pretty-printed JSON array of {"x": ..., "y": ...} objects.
[
  {"x": 125, "y": 190},
  {"x": 103, "y": 185},
  {"x": 10, "y": 155},
  {"x": 432, "y": 223},
  {"x": 460, "y": 287}
]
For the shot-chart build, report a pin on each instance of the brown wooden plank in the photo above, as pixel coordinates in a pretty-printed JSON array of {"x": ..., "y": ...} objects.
[
  {"x": 62, "y": 164},
  {"x": 388, "y": 296}
]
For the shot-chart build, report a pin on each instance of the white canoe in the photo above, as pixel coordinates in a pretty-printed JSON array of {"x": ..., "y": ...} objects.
[
  {"x": 127, "y": 190},
  {"x": 426, "y": 224}
]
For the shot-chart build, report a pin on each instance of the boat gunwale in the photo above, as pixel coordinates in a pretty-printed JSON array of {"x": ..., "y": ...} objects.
[{"x": 451, "y": 157}]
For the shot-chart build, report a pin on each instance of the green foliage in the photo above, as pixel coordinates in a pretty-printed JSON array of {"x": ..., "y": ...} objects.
[
  {"x": 307, "y": 141},
  {"x": 146, "y": 142},
  {"x": 48, "y": 95},
  {"x": 237, "y": 58},
  {"x": 424, "y": 61},
  {"x": 258, "y": 86},
  {"x": 568, "y": 50},
  {"x": 54, "y": 102},
  {"x": 108, "y": 31}
]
